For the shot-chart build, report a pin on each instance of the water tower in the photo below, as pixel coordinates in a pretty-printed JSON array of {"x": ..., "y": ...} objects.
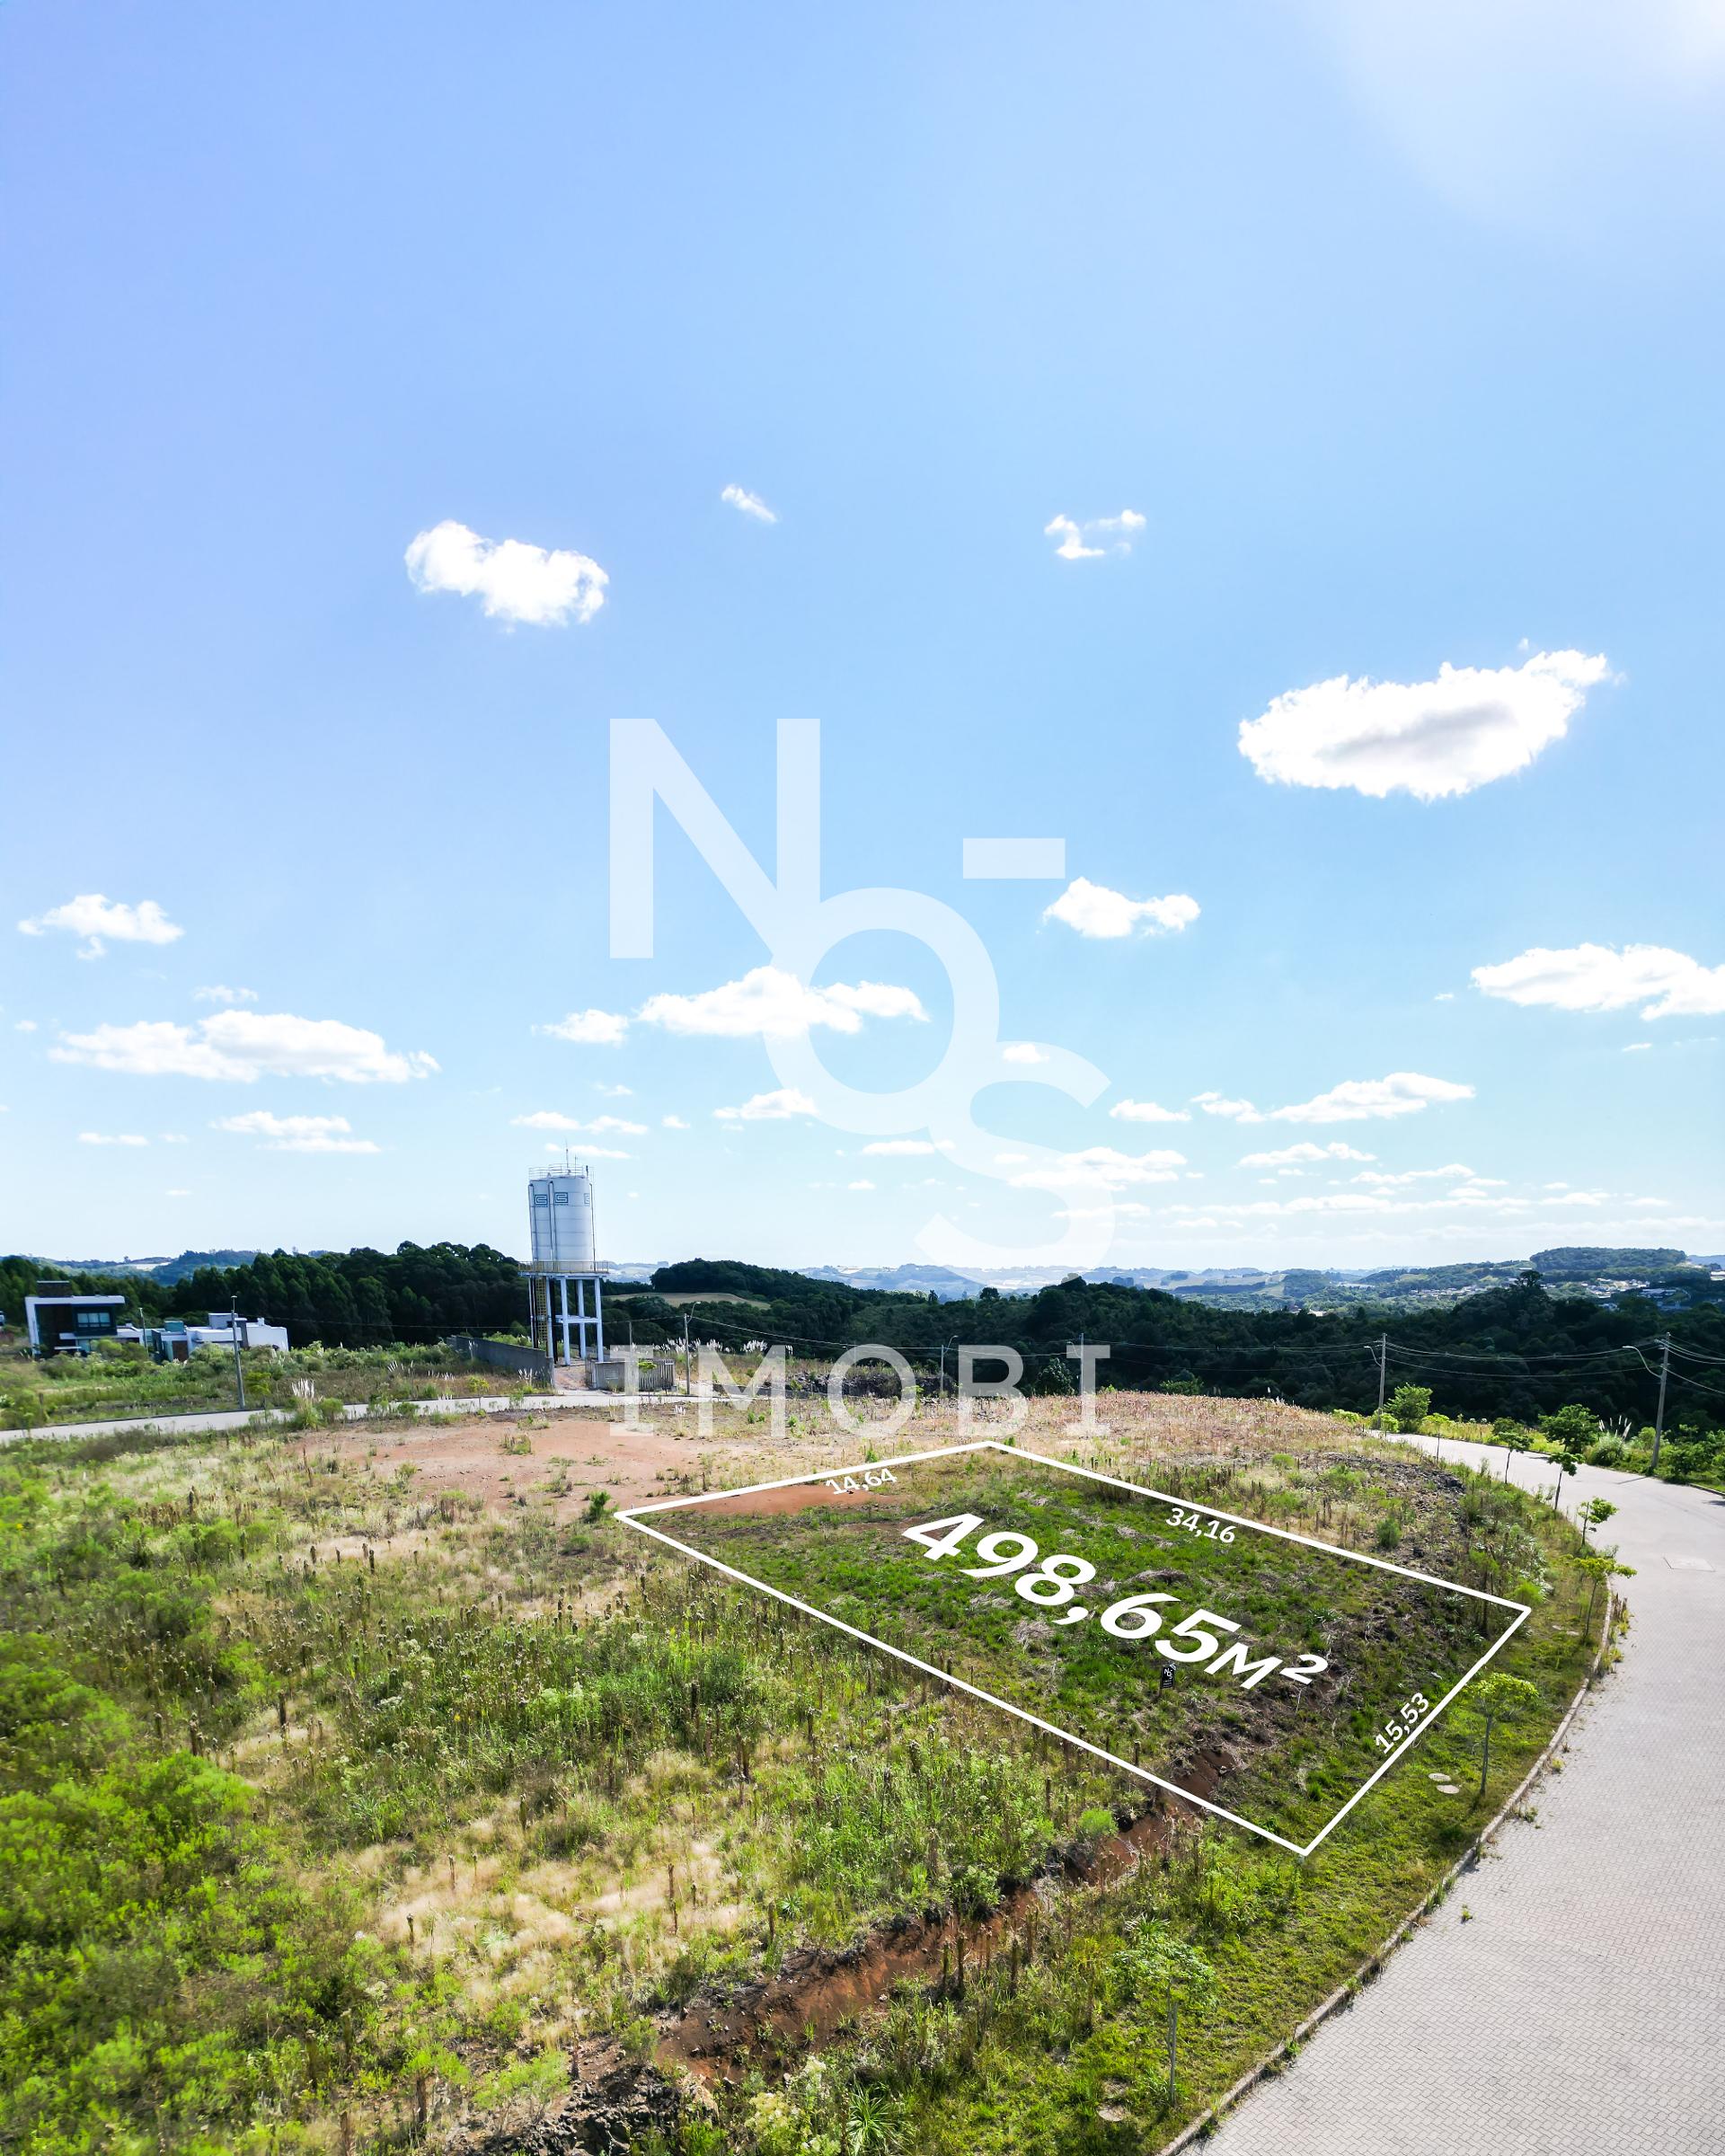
[{"x": 559, "y": 1215}]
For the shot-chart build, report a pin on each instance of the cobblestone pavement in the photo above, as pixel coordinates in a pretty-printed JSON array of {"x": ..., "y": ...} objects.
[{"x": 1581, "y": 2011}]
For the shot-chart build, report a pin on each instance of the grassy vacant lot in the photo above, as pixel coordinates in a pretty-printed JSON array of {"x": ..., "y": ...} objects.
[
  {"x": 118, "y": 1380},
  {"x": 338, "y": 1809},
  {"x": 1285, "y": 1752}
]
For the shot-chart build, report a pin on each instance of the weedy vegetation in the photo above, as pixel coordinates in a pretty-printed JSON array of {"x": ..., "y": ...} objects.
[{"x": 341, "y": 1814}]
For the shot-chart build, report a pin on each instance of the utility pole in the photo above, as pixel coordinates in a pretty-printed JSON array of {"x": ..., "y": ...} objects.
[
  {"x": 1383, "y": 1370},
  {"x": 239, "y": 1367},
  {"x": 686, "y": 1355},
  {"x": 1658, "y": 1419}
]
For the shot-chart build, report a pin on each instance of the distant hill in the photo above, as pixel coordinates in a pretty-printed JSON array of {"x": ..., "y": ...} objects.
[
  {"x": 165, "y": 1269},
  {"x": 1584, "y": 1262}
]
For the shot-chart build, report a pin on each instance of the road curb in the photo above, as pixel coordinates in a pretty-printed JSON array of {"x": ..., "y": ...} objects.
[{"x": 1206, "y": 2122}]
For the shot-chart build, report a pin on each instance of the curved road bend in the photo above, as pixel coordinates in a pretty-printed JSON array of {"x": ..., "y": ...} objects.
[{"x": 1581, "y": 2012}]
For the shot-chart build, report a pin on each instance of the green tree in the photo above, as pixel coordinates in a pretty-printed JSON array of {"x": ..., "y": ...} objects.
[
  {"x": 1595, "y": 1513},
  {"x": 1572, "y": 1429},
  {"x": 1163, "y": 1971},
  {"x": 1602, "y": 1566},
  {"x": 1513, "y": 1437},
  {"x": 1408, "y": 1409},
  {"x": 1498, "y": 1698}
]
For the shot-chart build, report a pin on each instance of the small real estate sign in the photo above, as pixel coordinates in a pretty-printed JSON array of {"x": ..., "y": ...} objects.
[{"x": 1265, "y": 1676}]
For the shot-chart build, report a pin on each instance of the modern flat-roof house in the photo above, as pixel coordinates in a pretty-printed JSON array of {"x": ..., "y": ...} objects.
[
  {"x": 61, "y": 1322},
  {"x": 177, "y": 1340}
]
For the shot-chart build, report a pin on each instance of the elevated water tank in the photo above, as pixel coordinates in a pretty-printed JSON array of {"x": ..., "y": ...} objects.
[{"x": 560, "y": 1212}]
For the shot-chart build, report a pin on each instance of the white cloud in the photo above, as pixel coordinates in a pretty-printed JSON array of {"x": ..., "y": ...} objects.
[
  {"x": 1305, "y": 1150},
  {"x": 771, "y": 1001},
  {"x": 1637, "y": 1047},
  {"x": 589, "y": 1028},
  {"x": 1451, "y": 1173},
  {"x": 614, "y": 1092},
  {"x": 103, "y": 920},
  {"x": 673, "y": 1123},
  {"x": 547, "y": 1118},
  {"x": 861, "y": 1183},
  {"x": 1146, "y": 1111},
  {"x": 176, "y": 1194},
  {"x": 512, "y": 580},
  {"x": 1102, "y": 1168},
  {"x": 297, "y": 1134},
  {"x": 228, "y": 996},
  {"x": 769, "y": 1107},
  {"x": 1118, "y": 531},
  {"x": 1369, "y": 1099},
  {"x": 1022, "y": 1051},
  {"x": 176, "y": 1137},
  {"x": 1094, "y": 910},
  {"x": 244, "y": 1046},
  {"x": 1429, "y": 739},
  {"x": 98, "y": 1137},
  {"x": 902, "y": 1148},
  {"x": 23, "y": 1025},
  {"x": 1595, "y": 976},
  {"x": 1232, "y": 1111},
  {"x": 751, "y": 505}
]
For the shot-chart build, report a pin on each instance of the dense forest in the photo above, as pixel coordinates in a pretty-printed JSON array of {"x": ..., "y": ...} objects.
[
  {"x": 343, "y": 1298},
  {"x": 1514, "y": 1351}
]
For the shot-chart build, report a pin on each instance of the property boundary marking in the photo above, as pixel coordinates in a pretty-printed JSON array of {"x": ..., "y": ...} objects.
[{"x": 634, "y": 1516}]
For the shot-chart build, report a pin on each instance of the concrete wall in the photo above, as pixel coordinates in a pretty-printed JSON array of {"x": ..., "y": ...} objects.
[{"x": 525, "y": 1361}]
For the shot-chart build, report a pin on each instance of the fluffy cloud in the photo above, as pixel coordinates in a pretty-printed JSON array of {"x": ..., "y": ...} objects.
[
  {"x": 1593, "y": 976},
  {"x": 769, "y": 1107},
  {"x": 589, "y": 1028},
  {"x": 1102, "y": 1168},
  {"x": 673, "y": 1123},
  {"x": 226, "y": 997},
  {"x": 1232, "y": 1111},
  {"x": 751, "y": 505},
  {"x": 297, "y": 1134},
  {"x": 1118, "y": 531},
  {"x": 103, "y": 920},
  {"x": 547, "y": 1118},
  {"x": 513, "y": 581},
  {"x": 1372, "y": 1100},
  {"x": 99, "y": 1138},
  {"x": 1429, "y": 739},
  {"x": 1146, "y": 1111},
  {"x": 861, "y": 1183},
  {"x": 771, "y": 1001},
  {"x": 1287, "y": 1157},
  {"x": 1094, "y": 910},
  {"x": 244, "y": 1046},
  {"x": 1022, "y": 1051},
  {"x": 902, "y": 1148}
]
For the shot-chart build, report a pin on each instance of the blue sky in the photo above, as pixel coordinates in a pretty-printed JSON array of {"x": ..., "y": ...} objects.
[{"x": 1401, "y": 339}]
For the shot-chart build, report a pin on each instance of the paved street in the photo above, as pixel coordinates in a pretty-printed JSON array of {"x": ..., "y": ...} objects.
[
  {"x": 230, "y": 1418},
  {"x": 1581, "y": 2012}
]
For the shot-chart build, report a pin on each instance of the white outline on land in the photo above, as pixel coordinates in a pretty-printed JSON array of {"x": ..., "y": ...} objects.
[{"x": 632, "y": 1519}]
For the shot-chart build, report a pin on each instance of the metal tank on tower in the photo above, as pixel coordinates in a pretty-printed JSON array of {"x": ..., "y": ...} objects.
[{"x": 559, "y": 1215}]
